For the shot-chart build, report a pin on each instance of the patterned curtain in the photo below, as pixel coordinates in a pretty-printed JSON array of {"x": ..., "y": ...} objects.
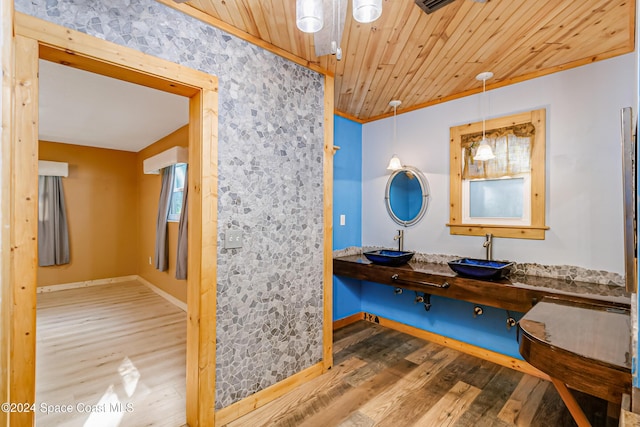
[{"x": 512, "y": 147}]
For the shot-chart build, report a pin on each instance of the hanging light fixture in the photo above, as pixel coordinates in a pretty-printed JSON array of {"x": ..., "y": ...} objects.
[
  {"x": 484, "y": 151},
  {"x": 394, "y": 163},
  {"x": 366, "y": 11},
  {"x": 309, "y": 15}
]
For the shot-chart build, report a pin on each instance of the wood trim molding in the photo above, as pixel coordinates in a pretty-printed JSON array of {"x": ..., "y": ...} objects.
[
  {"x": 79, "y": 50},
  {"x": 202, "y": 264},
  {"x": 479, "y": 352},
  {"x": 261, "y": 398},
  {"x": 166, "y": 295},
  {"x": 24, "y": 229},
  {"x": 345, "y": 321},
  {"x": 352, "y": 118},
  {"x": 327, "y": 270},
  {"x": 511, "y": 81},
  {"x": 6, "y": 304},
  {"x": 536, "y": 233},
  {"x": 72, "y": 48},
  {"x": 537, "y": 227},
  {"x": 86, "y": 283},
  {"x": 208, "y": 19}
]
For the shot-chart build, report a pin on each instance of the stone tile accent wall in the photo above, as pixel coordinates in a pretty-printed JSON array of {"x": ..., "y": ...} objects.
[{"x": 269, "y": 319}]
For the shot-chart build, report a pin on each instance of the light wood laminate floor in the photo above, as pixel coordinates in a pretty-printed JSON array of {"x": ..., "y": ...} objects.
[
  {"x": 383, "y": 377},
  {"x": 123, "y": 343},
  {"x": 110, "y": 347}
]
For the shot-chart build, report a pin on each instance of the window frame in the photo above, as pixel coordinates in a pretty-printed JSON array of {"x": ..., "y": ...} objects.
[
  {"x": 526, "y": 193},
  {"x": 537, "y": 227},
  {"x": 175, "y": 217}
]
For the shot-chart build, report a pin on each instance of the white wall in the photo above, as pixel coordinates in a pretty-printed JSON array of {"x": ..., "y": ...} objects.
[{"x": 584, "y": 187}]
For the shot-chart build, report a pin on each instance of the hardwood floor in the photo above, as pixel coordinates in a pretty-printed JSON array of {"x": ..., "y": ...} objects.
[
  {"x": 122, "y": 343},
  {"x": 101, "y": 346},
  {"x": 386, "y": 378}
]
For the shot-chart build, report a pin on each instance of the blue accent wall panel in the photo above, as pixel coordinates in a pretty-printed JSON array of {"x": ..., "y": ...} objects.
[
  {"x": 347, "y": 200},
  {"x": 447, "y": 317},
  {"x": 347, "y": 183},
  {"x": 346, "y": 297}
]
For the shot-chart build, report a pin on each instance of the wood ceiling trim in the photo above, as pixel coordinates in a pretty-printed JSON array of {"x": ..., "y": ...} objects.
[
  {"x": 202, "y": 16},
  {"x": 349, "y": 117}
]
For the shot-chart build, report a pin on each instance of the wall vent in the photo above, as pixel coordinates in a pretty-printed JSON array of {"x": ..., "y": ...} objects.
[{"x": 430, "y": 6}]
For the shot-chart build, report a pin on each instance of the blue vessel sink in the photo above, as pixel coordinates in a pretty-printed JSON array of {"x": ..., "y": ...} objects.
[
  {"x": 481, "y": 268},
  {"x": 389, "y": 257}
]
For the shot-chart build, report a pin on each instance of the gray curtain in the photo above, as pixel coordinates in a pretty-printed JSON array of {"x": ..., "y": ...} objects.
[
  {"x": 162, "y": 248},
  {"x": 182, "y": 255},
  {"x": 53, "y": 234}
]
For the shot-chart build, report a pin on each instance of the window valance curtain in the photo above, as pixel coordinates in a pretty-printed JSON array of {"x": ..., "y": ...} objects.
[{"x": 511, "y": 145}]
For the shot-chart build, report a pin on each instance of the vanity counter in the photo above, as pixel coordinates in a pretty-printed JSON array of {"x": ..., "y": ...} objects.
[
  {"x": 517, "y": 292},
  {"x": 586, "y": 346}
]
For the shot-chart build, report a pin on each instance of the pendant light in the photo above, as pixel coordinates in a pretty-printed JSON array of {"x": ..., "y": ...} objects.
[
  {"x": 366, "y": 11},
  {"x": 394, "y": 163},
  {"x": 310, "y": 18},
  {"x": 309, "y": 15},
  {"x": 484, "y": 151}
]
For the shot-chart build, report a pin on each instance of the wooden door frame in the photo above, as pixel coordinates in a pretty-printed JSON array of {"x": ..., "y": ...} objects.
[{"x": 35, "y": 39}]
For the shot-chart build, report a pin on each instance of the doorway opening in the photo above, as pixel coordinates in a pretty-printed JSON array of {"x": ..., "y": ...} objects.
[
  {"x": 105, "y": 323},
  {"x": 36, "y": 40}
]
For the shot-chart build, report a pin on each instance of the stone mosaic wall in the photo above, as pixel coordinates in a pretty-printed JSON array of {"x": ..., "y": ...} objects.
[{"x": 270, "y": 183}]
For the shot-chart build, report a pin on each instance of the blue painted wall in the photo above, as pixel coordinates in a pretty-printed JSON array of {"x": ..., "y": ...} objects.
[
  {"x": 347, "y": 201},
  {"x": 347, "y": 179},
  {"x": 447, "y": 317}
]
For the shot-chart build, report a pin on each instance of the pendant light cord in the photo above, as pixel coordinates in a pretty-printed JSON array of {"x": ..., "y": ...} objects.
[
  {"x": 484, "y": 86},
  {"x": 395, "y": 107}
]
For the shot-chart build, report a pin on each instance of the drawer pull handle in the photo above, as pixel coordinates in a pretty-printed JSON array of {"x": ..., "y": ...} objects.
[{"x": 397, "y": 278}]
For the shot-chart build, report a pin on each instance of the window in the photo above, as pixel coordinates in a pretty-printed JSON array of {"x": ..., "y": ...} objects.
[
  {"x": 175, "y": 205},
  {"x": 504, "y": 196}
]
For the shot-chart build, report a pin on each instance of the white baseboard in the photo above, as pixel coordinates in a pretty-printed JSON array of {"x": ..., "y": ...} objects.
[
  {"x": 175, "y": 301},
  {"x": 86, "y": 283}
]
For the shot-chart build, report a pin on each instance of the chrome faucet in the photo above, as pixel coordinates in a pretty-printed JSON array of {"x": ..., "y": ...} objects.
[
  {"x": 488, "y": 245},
  {"x": 400, "y": 238}
]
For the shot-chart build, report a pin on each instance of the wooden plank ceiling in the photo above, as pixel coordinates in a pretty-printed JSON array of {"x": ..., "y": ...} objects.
[{"x": 425, "y": 59}]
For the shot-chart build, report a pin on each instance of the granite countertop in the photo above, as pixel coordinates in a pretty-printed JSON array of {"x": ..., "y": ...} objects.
[{"x": 556, "y": 286}]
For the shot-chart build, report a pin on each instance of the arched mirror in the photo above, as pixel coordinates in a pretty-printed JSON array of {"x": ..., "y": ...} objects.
[{"x": 407, "y": 195}]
